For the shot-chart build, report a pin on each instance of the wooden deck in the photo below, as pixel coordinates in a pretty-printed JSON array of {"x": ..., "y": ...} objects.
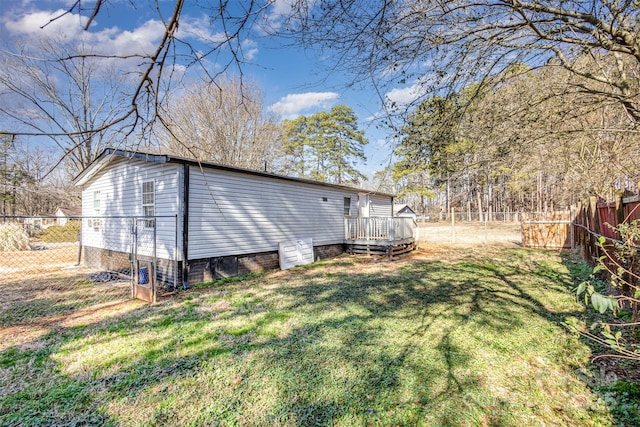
[{"x": 379, "y": 235}]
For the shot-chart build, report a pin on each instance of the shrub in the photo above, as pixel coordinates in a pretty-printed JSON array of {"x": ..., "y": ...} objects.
[
  {"x": 13, "y": 237},
  {"x": 66, "y": 233},
  {"x": 621, "y": 262}
]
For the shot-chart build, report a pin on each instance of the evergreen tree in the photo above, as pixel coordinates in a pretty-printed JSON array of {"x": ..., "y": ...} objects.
[{"x": 325, "y": 146}]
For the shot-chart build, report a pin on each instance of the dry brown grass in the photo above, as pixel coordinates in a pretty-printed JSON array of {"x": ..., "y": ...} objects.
[
  {"x": 470, "y": 233},
  {"x": 45, "y": 289},
  {"x": 55, "y": 256}
]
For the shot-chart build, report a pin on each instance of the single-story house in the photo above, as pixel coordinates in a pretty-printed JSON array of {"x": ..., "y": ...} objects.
[
  {"x": 60, "y": 217},
  {"x": 63, "y": 213},
  {"x": 41, "y": 222},
  {"x": 199, "y": 221}
]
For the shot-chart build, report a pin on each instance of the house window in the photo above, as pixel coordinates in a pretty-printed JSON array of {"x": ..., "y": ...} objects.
[
  {"x": 95, "y": 222},
  {"x": 347, "y": 206},
  {"x": 148, "y": 202}
]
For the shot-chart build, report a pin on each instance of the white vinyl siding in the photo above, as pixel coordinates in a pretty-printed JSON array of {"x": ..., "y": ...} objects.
[
  {"x": 380, "y": 206},
  {"x": 121, "y": 186},
  {"x": 232, "y": 213}
]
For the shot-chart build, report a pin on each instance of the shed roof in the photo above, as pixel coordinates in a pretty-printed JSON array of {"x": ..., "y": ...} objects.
[
  {"x": 70, "y": 210},
  {"x": 403, "y": 209},
  {"x": 109, "y": 155}
]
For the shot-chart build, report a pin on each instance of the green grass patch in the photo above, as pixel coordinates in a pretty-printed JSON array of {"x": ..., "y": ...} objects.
[
  {"x": 478, "y": 338},
  {"x": 228, "y": 280}
]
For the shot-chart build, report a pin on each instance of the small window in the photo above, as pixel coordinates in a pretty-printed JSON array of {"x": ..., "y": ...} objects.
[
  {"x": 95, "y": 222},
  {"x": 347, "y": 206},
  {"x": 324, "y": 199},
  {"x": 148, "y": 202}
]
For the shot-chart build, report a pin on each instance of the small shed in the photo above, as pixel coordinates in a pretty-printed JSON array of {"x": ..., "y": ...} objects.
[
  {"x": 191, "y": 222},
  {"x": 404, "y": 211}
]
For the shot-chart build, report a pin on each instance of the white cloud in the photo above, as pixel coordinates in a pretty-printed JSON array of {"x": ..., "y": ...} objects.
[
  {"x": 141, "y": 40},
  {"x": 66, "y": 25},
  {"x": 279, "y": 10},
  {"x": 69, "y": 27},
  {"x": 290, "y": 11},
  {"x": 296, "y": 104},
  {"x": 249, "y": 49},
  {"x": 199, "y": 28},
  {"x": 403, "y": 97}
]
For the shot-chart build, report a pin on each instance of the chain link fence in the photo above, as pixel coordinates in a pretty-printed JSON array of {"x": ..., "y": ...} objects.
[
  {"x": 64, "y": 263},
  {"x": 468, "y": 216}
]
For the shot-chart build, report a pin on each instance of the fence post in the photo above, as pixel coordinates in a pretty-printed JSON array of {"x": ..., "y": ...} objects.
[
  {"x": 594, "y": 221},
  {"x": 594, "y": 226},
  {"x": 571, "y": 220},
  {"x": 80, "y": 243},
  {"x": 453, "y": 225},
  {"x": 486, "y": 238},
  {"x": 619, "y": 209}
]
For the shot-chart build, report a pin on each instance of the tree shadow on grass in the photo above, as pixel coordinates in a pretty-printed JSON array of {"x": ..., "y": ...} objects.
[
  {"x": 401, "y": 346},
  {"x": 38, "y": 300},
  {"x": 435, "y": 304}
]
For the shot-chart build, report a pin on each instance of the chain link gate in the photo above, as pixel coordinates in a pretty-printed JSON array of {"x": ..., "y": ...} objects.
[{"x": 144, "y": 259}]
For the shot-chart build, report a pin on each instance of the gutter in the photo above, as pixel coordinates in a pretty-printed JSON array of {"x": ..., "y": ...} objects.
[{"x": 185, "y": 228}]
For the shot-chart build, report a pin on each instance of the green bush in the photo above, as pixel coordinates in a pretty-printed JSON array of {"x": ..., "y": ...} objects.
[
  {"x": 621, "y": 263},
  {"x": 66, "y": 233},
  {"x": 13, "y": 238}
]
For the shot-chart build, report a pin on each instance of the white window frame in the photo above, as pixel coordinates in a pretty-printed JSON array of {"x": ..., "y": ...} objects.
[
  {"x": 95, "y": 223},
  {"x": 347, "y": 206},
  {"x": 149, "y": 205}
]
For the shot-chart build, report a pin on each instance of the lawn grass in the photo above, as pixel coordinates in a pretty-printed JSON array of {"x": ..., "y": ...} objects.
[{"x": 451, "y": 337}]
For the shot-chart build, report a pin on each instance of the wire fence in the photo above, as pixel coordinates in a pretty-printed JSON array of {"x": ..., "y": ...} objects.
[
  {"x": 88, "y": 259},
  {"x": 468, "y": 216}
]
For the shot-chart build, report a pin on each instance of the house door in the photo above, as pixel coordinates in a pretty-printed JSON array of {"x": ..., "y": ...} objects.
[{"x": 143, "y": 260}]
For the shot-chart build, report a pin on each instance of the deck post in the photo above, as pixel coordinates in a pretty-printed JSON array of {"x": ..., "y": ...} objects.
[
  {"x": 367, "y": 229},
  {"x": 346, "y": 229},
  {"x": 391, "y": 229}
]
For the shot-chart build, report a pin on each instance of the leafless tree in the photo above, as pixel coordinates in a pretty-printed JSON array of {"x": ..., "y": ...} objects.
[
  {"x": 433, "y": 45},
  {"x": 142, "y": 99},
  {"x": 224, "y": 123},
  {"x": 26, "y": 187},
  {"x": 448, "y": 44},
  {"x": 57, "y": 90}
]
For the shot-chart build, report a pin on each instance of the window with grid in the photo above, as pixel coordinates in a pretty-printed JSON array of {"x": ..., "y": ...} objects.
[
  {"x": 347, "y": 206},
  {"x": 95, "y": 222},
  {"x": 148, "y": 202}
]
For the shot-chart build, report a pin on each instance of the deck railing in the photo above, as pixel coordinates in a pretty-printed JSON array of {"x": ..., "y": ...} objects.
[{"x": 379, "y": 228}]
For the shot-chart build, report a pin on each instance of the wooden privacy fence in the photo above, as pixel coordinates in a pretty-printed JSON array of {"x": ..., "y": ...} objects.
[
  {"x": 547, "y": 230},
  {"x": 596, "y": 218},
  {"x": 581, "y": 226}
]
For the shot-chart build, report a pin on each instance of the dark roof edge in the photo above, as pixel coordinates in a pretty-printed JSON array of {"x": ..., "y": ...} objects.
[{"x": 163, "y": 158}]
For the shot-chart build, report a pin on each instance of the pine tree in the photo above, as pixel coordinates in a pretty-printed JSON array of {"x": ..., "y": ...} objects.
[{"x": 325, "y": 146}]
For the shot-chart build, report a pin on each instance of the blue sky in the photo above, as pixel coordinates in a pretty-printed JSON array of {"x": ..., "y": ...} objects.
[{"x": 294, "y": 81}]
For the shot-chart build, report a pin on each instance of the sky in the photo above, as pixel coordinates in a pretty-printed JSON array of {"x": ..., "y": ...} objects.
[{"x": 295, "y": 81}]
